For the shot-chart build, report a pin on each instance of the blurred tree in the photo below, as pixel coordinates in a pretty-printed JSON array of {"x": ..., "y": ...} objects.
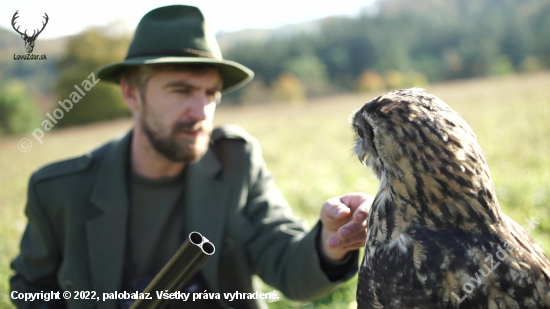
[
  {"x": 370, "y": 80},
  {"x": 414, "y": 79},
  {"x": 85, "y": 54},
  {"x": 311, "y": 71},
  {"x": 530, "y": 64},
  {"x": 393, "y": 79},
  {"x": 502, "y": 66},
  {"x": 289, "y": 88},
  {"x": 453, "y": 62},
  {"x": 441, "y": 40},
  {"x": 255, "y": 92},
  {"x": 17, "y": 112}
]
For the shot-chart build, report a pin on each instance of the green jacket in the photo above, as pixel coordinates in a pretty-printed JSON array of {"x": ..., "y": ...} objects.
[{"x": 77, "y": 212}]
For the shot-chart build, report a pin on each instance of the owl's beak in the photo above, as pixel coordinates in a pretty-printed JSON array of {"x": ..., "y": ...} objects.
[{"x": 362, "y": 159}]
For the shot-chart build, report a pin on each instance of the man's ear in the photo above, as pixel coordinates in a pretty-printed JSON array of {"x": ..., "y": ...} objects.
[{"x": 131, "y": 95}]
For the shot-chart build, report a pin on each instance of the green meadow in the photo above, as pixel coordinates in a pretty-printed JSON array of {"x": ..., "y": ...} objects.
[{"x": 308, "y": 148}]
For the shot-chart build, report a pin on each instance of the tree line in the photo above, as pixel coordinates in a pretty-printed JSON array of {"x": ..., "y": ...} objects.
[
  {"x": 404, "y": 43},
  {"x": 393, "y": 44}
]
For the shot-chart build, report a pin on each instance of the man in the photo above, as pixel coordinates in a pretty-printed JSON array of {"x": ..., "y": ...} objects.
[{"x": 109, "y": 220}]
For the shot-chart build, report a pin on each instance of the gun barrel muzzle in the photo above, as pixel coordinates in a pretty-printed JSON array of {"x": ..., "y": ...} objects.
[{"x": 189, "y": 258}]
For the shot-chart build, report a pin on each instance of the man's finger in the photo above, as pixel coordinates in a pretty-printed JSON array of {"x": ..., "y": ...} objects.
[
  {"x": 335, "y": 209},
  {"x": 362, "y": 212},
  {"x": 356, "y": 199},
  {"x": 338, "y": 242},
  {"x": 334, "y": 214},
  {"x": 359, "y": 204},
  {"x": 351, "y": 228},
  {"x": 354, "y": 246}
]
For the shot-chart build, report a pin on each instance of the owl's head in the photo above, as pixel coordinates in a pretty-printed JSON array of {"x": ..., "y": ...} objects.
[
  {"x": 407, "y": 131},
  {"x": 423, "y": 150},
  {"x": 364, "y": 146}
]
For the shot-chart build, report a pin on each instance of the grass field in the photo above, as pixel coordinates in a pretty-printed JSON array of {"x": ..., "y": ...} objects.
[{"x": 309, "y": 150}]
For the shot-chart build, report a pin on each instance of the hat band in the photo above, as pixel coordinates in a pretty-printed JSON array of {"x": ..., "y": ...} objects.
[{"x": 188, "y": 52}]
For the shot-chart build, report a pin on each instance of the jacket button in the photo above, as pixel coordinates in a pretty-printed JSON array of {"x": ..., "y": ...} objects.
[{"x": 69, "y": 285}]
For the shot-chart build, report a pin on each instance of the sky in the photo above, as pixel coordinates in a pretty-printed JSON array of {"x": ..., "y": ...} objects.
[{"x": 71, "y": 17}]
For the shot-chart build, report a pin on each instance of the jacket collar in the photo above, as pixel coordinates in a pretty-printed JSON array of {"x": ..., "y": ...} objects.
[{"x": 205, "y": 199}]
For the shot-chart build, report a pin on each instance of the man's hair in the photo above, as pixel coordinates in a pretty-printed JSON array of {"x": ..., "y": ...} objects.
[{"x": 138, "y": 76}]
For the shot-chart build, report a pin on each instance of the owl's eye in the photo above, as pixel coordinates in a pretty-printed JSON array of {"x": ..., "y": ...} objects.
[{"x": 360, "y": 132}]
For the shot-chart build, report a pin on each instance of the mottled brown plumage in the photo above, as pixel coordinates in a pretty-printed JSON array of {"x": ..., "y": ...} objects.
[{"x": 437, "y": 237}]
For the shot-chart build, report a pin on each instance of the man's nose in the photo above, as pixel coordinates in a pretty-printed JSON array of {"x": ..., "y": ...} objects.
[{"x": 199, "y": 106}]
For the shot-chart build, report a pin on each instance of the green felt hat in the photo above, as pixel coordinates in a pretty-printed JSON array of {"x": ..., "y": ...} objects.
[{"x": 177, "y": 34}]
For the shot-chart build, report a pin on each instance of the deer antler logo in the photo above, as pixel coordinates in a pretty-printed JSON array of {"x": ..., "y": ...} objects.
[{"x": 29, "y": 40}]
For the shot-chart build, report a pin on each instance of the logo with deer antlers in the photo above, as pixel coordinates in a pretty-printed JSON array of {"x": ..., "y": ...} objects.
[{"x": 29, "y": 40}]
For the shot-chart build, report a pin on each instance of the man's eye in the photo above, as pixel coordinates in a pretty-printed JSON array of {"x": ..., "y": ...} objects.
[{"x": 182, "y": 90}]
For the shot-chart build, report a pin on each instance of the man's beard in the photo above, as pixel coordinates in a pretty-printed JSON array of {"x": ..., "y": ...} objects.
[{"x": 166, "y": 143}]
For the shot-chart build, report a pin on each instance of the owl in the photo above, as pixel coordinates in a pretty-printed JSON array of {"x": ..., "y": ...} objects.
[{"x": 437, "y": 237}]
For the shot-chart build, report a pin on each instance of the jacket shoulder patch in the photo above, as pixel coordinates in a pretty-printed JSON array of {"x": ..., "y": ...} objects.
[{"x": 63, "y": 168}]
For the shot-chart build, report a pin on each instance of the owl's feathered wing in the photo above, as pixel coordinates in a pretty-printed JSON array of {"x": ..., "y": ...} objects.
[
  {"x": 436, "y": 236},
  {"x": 428, "y": 269}
]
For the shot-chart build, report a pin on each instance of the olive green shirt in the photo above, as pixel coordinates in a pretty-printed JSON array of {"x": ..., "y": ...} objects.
[{"x": 156, "y": 223}]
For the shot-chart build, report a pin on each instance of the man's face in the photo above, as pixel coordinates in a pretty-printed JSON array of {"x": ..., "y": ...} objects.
[{"x": 177, "y": 112}]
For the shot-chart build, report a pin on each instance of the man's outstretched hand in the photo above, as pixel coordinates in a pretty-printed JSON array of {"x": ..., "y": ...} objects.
[{"x": 344, "y": 221}]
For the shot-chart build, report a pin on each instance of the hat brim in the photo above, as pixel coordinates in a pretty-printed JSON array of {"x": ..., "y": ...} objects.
[{"x": 234, "y": 75}]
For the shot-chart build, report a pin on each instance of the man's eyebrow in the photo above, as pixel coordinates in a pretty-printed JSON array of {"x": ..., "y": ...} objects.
[{"x": 181, "y": 83}]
